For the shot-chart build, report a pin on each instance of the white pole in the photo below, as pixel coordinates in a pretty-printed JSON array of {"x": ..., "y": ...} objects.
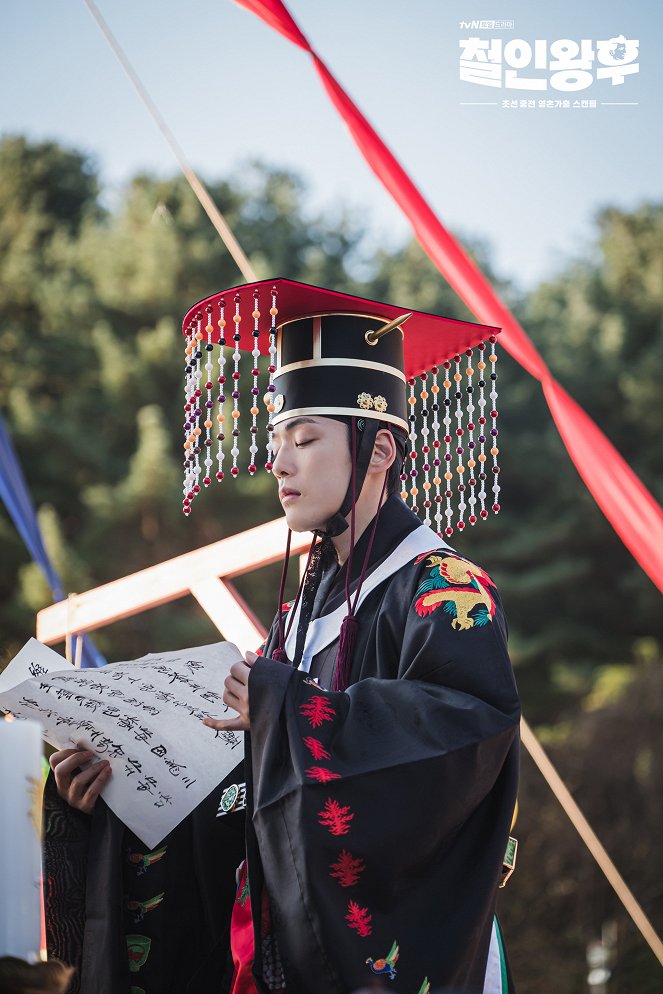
[{"x": 20, "y": 838}]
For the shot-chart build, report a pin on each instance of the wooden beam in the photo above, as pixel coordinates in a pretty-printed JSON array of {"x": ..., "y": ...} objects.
[
  {"x": 591, "y": 840},
  {"x": 167, "y": 581},
  {"x": 230, "y": 613}
]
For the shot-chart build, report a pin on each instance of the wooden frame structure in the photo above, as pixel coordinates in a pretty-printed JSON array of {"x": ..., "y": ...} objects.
[{"x": 205, "y": 573}]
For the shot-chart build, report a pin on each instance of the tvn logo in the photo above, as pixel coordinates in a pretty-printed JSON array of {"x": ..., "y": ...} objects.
[{"x": 486, "y": 25}]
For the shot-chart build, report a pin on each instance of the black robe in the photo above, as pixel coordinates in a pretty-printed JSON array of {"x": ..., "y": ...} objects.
[
  {"x": 131, "y": 920},
  {"x": 379, "y": 816}
]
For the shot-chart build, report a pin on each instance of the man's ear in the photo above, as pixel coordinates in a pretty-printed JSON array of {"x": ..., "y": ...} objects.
[{"x": 384, "y": 452}]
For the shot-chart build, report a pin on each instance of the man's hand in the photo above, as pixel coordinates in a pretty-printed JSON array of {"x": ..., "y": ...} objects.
[
  {"x": 236, "y": 696},
  {"x": 79, "y": 788}
]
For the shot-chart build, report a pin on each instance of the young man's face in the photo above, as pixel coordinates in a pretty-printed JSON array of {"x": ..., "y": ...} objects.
[{"x": 312, "y": 465}]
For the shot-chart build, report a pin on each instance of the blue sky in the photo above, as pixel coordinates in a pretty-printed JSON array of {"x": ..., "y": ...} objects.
[{"x": 527, "y": 181}]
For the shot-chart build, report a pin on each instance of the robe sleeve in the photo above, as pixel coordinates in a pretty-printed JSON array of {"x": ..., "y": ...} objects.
[
  {"x": 65, "y": 848},
  {"x": 85, "y": 891},
  {"x": 412, "y": 778}
]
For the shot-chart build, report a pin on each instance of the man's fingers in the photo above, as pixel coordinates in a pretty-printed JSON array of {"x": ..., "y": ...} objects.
[
  {"x": 88, "y": 800},
  {"x": 74, "y": 759},
  {"x": 250, "y": 657},
  {"x": 237, "y": 724},
  {"x": 240, "y": 671},
  {"x": 235, "y": 696},
  {"x": 90, "y": 796},
  {"x": 83, "y": 780},
  {"x": 76, "y": 786},
  {"x": 56, "y": 758},
  {"x": 59, "y": 757},
  {"x": 235, "y": 688}
]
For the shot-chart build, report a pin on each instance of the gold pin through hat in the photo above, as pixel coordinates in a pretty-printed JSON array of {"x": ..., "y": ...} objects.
[{"x": 373, "y": 337}]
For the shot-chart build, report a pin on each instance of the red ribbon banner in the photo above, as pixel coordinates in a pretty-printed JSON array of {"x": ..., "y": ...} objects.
[{"x": 627, "y": 504}]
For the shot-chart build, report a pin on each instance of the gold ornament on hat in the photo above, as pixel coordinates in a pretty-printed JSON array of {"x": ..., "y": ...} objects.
[
  {"x": 368, "y": 402},
  {"x": 374, "y": 336}
]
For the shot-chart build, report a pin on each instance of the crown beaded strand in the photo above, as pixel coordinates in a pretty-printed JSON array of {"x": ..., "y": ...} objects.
[
  {"x": 255, "y": 354},
  {"x": 209, "y": 403},
  {"x": 435, "y": 407},
  {"x": 235, "y": 413},
  {"x": 271, "y": 389},
  {"x": 221, "y": 379},
  {"x": 192, "y": 412},
  {"x": 448, "y": 511},
  {"x": 471, "y": 444},
  {"x": 481, "y": 365},
  {"x": 196, "y": 400},
  {"x": 494, "y": 451},
  {"x": 412, "y": 418},
  {"x": 188, "y": 494},
  {"x": 425, "y": 447},
  {"x": 460, "y": 466}
]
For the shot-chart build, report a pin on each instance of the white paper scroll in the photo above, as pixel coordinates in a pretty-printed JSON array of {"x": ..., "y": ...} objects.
[{"x": 144, "y": 716}]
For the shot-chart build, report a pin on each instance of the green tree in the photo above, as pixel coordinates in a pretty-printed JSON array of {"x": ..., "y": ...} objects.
[
  {"x": 575, "y": 598},
  {"x": 599, "y": 328},
  {"x": 558, "y": 900},
  {"x": 91, "y": 372}
]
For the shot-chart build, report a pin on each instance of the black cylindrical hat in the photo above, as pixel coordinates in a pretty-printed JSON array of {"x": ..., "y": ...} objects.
[{"x": 331, "y": 364}]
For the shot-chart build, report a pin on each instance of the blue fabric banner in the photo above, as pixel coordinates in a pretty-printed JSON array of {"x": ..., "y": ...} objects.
[{"x": 16, "y": 497}]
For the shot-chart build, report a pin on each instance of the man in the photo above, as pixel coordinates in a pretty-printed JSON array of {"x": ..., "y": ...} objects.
[
  {"x": 382, "y": 757},
  {"x": 382, "y": 762}
]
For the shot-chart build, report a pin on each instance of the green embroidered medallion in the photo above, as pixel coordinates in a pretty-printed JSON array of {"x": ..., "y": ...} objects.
[
  {"x": 229, "y": 798},
  {"x": 138, "y": 949}
]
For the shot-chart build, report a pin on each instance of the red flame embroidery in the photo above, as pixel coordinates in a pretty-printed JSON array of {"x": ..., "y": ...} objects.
[
  {"x": 347, "y": 869},
  {"x": 316, "y": 748},
  {"x": 317, "y": 710},
  {"x": 359, "y": 919},
  {"x": 336, "y": 817},
  {"x": 321, "y": 774}
]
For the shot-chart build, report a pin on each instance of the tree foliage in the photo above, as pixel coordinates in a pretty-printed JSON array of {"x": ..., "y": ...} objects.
[
  {"x": 91, "y": 367},
  {"x": 558, "y": 901}
]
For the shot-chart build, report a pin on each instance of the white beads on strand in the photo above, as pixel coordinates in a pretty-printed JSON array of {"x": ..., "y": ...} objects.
[
  {"x": 209, "y": 403},
  {"x": 271, "y": 389},
  {"x": 255, "y": 354},
  {"x": 236, "y": 356},
  {"x": 414, "y": 490},
  {"x": 425, "y": 447},
  {"x": 494, "y": 450},
  {"x": 448, "y": 510},
  {"x": 435, "y": 390},
  {"x": 220, "y": 418}
]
